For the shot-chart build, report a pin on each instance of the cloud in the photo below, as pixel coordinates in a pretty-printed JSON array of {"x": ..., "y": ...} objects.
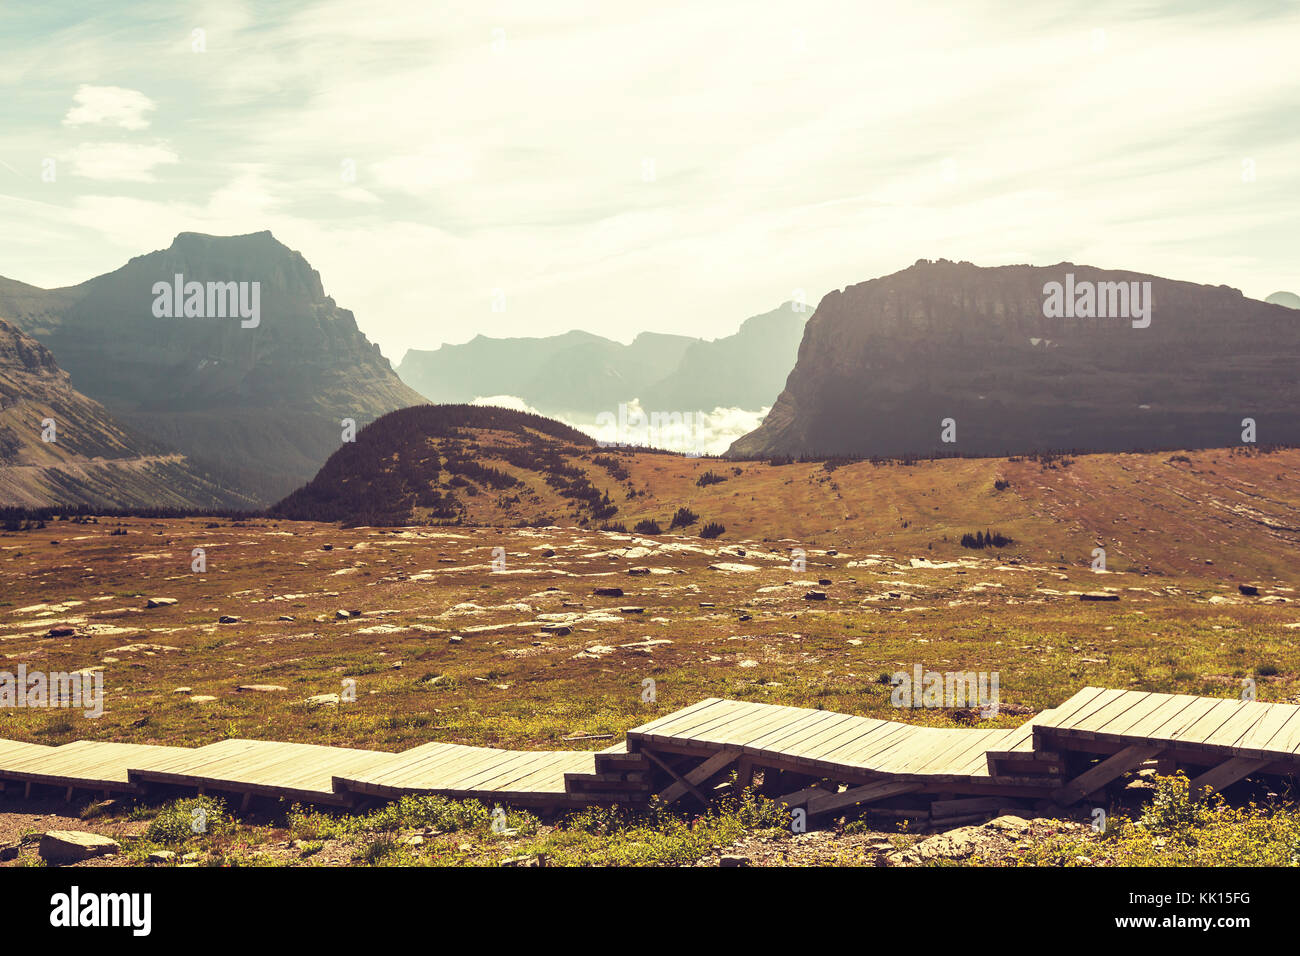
[
  {"x": 109, "y": 105},
  {"x": 690, "y": 432},
  {"x": 806, "y": 152},
  {"x": 119, "y": 162}
]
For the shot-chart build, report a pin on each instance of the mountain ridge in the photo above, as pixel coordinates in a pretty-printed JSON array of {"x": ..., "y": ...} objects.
[
  {"x": 262, "y": 406},
  {"x": 580, "y": 374},
  {"x": 885, "y": 362}
]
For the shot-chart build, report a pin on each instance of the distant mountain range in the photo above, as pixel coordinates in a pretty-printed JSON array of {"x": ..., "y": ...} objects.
[
  {"x": 256, "y": 403},
  {"x": 58, "y": 446},
  {"x": 580, "y": 375},
  {"x": 216, "y": 373},
  {"x": 1017, "y": 367}
]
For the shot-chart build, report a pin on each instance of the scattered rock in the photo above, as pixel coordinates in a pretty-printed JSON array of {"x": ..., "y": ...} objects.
[
  {"x": 1250, "y": 590},
  {"x": 227, "y": 619},
  {"x": 815, "y": 596},
  {"x": 631, "y": 610},
  {"x": 1098, "y": 596},
  {"x": 160, "y": 602},
  {"x": 62, "y": 630},
  {"x": 730, "y": 860},
  {"x": 260, "y": 688},
  {"x": 162, "y": 856},
  {"x": 638, "y": 571},
  {"x": 608, "y": 592},
  {"x": 202, "y": 699},
  {"x": 73, "y": 846}
]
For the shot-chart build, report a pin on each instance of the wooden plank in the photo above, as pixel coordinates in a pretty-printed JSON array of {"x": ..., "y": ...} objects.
[
  {"x": 677, "y": 716},
  {"x": 1116, "y": 765},
  {"x": 1227, "y": 773},
  {"x": 715, "y": 764},
  {"x": 953, "y": 808},
  {"x": 1256, "y": 741},
  {"x": 844, "y": 753},
  {"x": 1080, "y": 705},
  {"x": 865, "y": 794},
  {"x": 1250, "y": 714},
  {"x": 1148, "y": 709},
  {"x": 1087, "y": 728},
  {"x": 1189, "y": 715},
  {"x": 772, "y": 740},
  {"x": 1210, "y": 721}
]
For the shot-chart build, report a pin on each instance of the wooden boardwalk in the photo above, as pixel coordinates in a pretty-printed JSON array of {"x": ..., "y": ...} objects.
[{"x": 818, "y": 760}]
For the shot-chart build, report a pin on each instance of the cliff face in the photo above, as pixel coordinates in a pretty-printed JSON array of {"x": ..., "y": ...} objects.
[
  {"x": 257, "y": 400},
  {"x": 93, "y": 458},
  {"x": 882, "y": 364}
]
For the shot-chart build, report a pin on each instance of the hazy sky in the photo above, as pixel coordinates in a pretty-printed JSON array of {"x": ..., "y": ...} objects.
[{"x": 674, "y": 166}]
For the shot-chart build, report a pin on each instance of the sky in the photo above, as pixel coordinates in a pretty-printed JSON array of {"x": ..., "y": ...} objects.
[{"x": 526, "y": 168}]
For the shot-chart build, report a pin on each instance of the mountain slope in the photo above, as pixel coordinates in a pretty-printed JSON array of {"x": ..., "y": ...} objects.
[
  {"x": 1238, "y": 508},
  {"x": 92, "y": 459},
  {"x": 259, "y": 405},
  {"x": 883, "y": 363},
  {"x": 576, "y": 373},
  {"x": 440, "y": 463},
  {"x": 744, "y": 370},
  {"x": 580, "y": 375}
]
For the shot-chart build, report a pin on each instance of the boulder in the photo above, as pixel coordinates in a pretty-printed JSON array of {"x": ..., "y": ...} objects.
[
  {"x": 73, "y": 846},
  {"x": 160, "y": 602}
]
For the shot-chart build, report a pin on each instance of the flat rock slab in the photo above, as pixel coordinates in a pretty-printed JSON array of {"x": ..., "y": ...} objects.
[
  {"x": 160, "y": 602},
  {"x": 73, "y": 846},
  {"x": 1098, "y": 596}
]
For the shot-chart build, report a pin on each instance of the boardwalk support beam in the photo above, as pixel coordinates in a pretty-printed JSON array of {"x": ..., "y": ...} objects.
[
  {"x": 869, "y": 793},
  {"x": 689, "y": 783},
  {"x": 1113, "y": 767},
  {"x": 1227, "y": 773}
]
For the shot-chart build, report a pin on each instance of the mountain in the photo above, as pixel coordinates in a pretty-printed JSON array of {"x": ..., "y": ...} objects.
[
  {"x": 580, "y": 375},
  {"x": 92, "y": 459},
  {"x": 257, "y": 399},
  {"x": 744, "y": 370},
  {"x": 1288, "y": 299},
  {"x": 883, "y": 363}
]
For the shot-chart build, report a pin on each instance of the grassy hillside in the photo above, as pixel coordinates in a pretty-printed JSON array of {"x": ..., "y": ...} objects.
[{"x": 1236, "y": 511}]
